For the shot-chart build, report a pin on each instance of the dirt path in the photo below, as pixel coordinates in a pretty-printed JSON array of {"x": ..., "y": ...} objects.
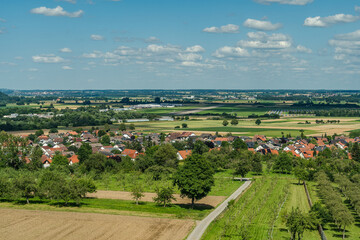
[
  {"x": 209, "y": 200},
  {"x": 44, "y": 225}
]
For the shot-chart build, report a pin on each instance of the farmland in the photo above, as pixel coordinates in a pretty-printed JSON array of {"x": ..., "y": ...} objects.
[{"x": 25, "y": 224}]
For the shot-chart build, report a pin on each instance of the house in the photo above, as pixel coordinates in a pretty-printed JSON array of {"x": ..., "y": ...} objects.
[
  {"x": 131, "y": 153},
  {"x": 46, "y": 161},
  {"x": 73, "y": 159},
  {"x": 182, "y": 155}
]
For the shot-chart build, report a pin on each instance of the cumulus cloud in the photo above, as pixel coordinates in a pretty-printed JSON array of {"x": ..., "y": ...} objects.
[
  {"x": 261, "y": 40},
  {"x": 231, "y": 52},
  {"x": 303, "y": 49},
  {"x": 230, "y": 28},
  {"x": 289, "y": 2},
  {"x": 56, "y": 12},
  {"x": 50, "y": 58},
  {"x": 66, "y": 68},
  {"x": 66, "y": 50},
  {"x": 347, "y": 46},
  {"x": 195, "y": 49},
  {"x": 330, "y": 20},
  {"x": 97, "y": 37},
  {"x": 261, "y": 25}
]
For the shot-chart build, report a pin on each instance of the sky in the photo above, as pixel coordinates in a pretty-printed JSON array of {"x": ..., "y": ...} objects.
[{"x": 180, "y": 44}]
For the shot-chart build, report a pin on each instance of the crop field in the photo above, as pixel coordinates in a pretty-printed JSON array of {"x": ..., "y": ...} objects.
[
  {"x": 241, "y": 111},
  {"x": 25, "y": 224}
]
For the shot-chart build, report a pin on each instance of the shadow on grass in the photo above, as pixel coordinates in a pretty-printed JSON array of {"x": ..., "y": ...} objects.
[{"x": 197, "y": 206}]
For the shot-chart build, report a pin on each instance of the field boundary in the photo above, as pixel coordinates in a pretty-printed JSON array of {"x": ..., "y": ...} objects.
[{"x": 201, "y": 227}]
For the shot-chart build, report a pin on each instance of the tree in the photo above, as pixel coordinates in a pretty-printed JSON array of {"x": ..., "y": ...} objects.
[
  {"x": 53, "y": 130},
  {"x": 25, "y": 185},
  {"x": 105, "y": 140},
  {"x": 234, "y": 122},
  {"x": 184, "y": 125},
  {"x": 355, "y": 152},
  {"x": 39, "y": 132},
  {"x": 166, "y": 155},
  {"x": 195, "y": 178},
  {"x": 225, "y": 123},
  {"x": 296, "y": 222},
  {"x": 200, "y": 147},
  {"x": 95, "y": 162},
  {"x": 258, "y": 122},
  {"x": 132, "y": 126},
  {"x": 101, "y": 133},
  {"x": 300, "y": 173},
  {"x": 84, "y": 152},
  {"x": 60, "y": 160},
  {"x": 242, "y": 167},
  {"x": 122, "y": 127},
  {"x": 256, "y": 164},
  {"x": 239, "y": 144},
  {"x": 164, "y": 195},
  {"x": 302, "y": 135},
  {"x": 137, "y": 193},
  {"x": 35, "y": 162},
  {"x": 283, "y": 163}
]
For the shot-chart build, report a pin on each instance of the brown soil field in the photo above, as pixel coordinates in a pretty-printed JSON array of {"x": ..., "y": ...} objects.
[
  {"x": 44, "y": 225},
  {"x": 209, "y": 200}
]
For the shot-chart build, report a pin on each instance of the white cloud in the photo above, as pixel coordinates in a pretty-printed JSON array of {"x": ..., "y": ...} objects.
[
  {"x": 160, "y": 49},
  {"x": 261, "y": 40},
  {"x": 230, "y": 28},
  {"x": 303, "y": 49},
  {"x": 290, "y": 2},
  {"x": 195, "y": 49},
  {"x": 33, "y": 70},
  {"x": 152, "y": 40},
  {"x": 66, "y": 50},
  {"x": 66, "y": 68},
  {"x": 97, "y": 37},
  {"x": 50, "y": 58},
  {"x": 330, "y": 20},
  {"x": 261, "y": 25},
  {"x": 347, "y": 46},
  {"x": 190, "y": 57},
  {"x": 56, "y": 12},
  {"x": 231, "y": 52}
]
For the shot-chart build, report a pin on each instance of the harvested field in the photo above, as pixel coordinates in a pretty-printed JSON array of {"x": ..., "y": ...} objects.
[
  {"x": 209, "y": 200},
  {"x": 25, "y": 224}
]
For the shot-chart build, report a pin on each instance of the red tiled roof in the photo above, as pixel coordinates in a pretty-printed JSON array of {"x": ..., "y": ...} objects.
[
  {"x": 185, "y": 153},
  {"x": 74, "y": 159},
  {"x": 129, "y": 152}
]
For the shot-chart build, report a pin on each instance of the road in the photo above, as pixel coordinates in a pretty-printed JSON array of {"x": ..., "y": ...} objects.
[{"x": 200, "y": 228}]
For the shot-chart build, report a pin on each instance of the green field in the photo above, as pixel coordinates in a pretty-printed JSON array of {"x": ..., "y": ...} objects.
[
  {"x": 241, "y": 111},
  {"x": 112, "y": 206},
  {"x": 224, "y": 184}
]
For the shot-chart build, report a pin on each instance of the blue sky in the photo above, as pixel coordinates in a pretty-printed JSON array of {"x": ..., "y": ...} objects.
[{"x": 180, "y": 44}]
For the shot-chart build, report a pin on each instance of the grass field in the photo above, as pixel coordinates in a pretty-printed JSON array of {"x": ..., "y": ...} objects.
[
  {"x": 224, "y": 184},
  {"x": 241, "y": 111}
]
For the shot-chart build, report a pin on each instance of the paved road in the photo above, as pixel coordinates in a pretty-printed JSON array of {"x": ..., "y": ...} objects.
[{"x": 199, "y": 230}]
